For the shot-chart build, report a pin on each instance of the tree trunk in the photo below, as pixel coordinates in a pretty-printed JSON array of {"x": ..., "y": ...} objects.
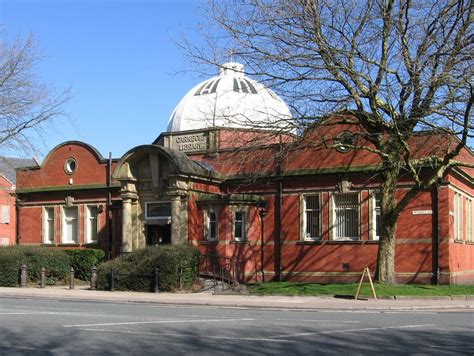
[{"x": 385, "y": 271}]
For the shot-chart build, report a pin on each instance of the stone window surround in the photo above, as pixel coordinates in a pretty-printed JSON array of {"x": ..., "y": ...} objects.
[
  {"x": 82, "y": 222},
  {"x": 206, "y": 215},
  {"x": 240, "y": 209},
  {"x": 303, "y": 219}
]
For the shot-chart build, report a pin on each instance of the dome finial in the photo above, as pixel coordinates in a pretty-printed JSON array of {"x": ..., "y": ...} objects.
[{"x": 232, "y": 68}]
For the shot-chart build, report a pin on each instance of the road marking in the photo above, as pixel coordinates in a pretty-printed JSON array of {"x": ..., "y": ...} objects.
[
  {"x": 452, "y": 347},
  {"x": 158, "y": 322},
  {"x": 404, "y": 312},
  {"x": 40, "y": 313},
  {"x": 187, "y": 335},
  {"x": 198, "y": 316},
  {"x": 7, "y": 346},
  {"x": 323, "y": 321},
  {"x": 353, "y": 330}
]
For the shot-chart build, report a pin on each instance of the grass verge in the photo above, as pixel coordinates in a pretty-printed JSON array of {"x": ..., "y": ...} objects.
[{"x": 313, "y": 289}]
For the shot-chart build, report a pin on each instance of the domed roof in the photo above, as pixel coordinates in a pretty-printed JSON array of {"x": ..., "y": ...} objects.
[{"x": 229, "y": 100}]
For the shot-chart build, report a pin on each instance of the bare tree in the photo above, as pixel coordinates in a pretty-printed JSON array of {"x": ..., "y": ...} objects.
[
  {"x": 397, "y": 66},
  {"x": 26, "y": 104}
]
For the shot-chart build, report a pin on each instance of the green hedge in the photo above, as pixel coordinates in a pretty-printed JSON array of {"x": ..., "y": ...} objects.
[
  {"x": 177, "y": 267},
  {"x": 55, "y": 262},
  {"x": 83, "y": 260}
]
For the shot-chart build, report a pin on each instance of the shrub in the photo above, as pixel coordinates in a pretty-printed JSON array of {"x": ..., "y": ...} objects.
[
  {"x": 177, "y": 267},
  {"x": 83, "y": 260},
  {"x": 55, "y": 262},
  {"x": 9, "y": 267}
]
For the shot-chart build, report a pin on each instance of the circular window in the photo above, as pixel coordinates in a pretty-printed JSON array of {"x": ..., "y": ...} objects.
[
  {"x": 70, "y": 165},
  {"x": 345, "y": 141}
]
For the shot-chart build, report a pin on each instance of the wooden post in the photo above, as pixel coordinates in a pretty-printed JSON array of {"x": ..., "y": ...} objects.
[{"x": 366, "y": 271}]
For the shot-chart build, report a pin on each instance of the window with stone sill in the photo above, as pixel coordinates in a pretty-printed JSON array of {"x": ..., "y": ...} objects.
[
  {"x": 346, "y": 216},
  {"x": 240, "y": 229},
  {"x": 69, "y": 221},
  {"x": 311, "y": 217},
  {"x": 48, "y": 225},
  {"x": 5, "y": 214},
  {"x": 376, "y": 215},
  {"x": 92, "y": 226},
  {"x": 458, "y": 216},
  {"x": 210, "y": 225}
]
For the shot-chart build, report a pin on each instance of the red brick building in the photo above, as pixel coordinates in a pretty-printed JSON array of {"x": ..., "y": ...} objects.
[
  {"x": 302, "y": 213},
  {"x": 7, "y": 197}
]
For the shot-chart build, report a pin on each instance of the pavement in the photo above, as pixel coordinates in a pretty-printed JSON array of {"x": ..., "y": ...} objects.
[{"x": 84, "y": 293}]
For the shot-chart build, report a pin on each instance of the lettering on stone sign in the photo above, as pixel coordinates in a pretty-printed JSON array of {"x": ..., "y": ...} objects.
[{"x": 197, "y": 142}]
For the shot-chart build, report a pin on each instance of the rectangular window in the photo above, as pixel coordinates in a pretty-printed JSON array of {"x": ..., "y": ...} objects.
[
  {"x": 458, "y": 216},
  {"x": 377, "y": 219},
  {"x": 239, "y": 226},
  {"x": 312, "y": 217},
  {"x": 48, "y": 226},
  {"x": 212, "y": 226},
  {"x": 69, "y": 225},
  {"x": 157, "y": 210},
  {"x": 346, "y": 216},
  {"x": 92, "y": 226},
  {"x": 5, "y": 217}
]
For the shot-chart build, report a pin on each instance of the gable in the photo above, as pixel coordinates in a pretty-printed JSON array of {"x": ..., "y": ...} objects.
[{"x": 72, "y": 164}]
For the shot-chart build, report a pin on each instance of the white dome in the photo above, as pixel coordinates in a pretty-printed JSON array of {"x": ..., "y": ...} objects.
[{"x": 229, "y": 100}]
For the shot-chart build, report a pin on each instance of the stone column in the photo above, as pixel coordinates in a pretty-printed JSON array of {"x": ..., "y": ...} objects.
[
  {"x": 128, "y": 193},
  {"x": 127, "y": 225},
  {"x": 179, "y": 221},
  {"x": 129, "y": 197}
]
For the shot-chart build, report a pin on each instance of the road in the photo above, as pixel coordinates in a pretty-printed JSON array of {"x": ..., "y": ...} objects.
[{"x": 54, "y": 327}]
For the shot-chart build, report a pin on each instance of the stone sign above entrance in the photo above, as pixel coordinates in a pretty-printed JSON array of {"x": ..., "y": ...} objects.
[{"x": 191, "y": 142}]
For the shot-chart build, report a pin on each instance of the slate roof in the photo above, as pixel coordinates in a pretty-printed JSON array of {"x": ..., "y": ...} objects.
[{"x": 9, "y": 164}]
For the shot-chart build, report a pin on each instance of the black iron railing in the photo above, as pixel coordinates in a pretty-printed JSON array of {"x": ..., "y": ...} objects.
[{"x": 221, "y": 269}]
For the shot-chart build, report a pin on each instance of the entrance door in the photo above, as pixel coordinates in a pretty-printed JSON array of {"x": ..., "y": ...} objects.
[{"x": 158, "y": 235}]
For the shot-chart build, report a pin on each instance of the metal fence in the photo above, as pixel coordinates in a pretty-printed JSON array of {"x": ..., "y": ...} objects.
[
  {"x": 154, "y": 277},
  {"x": 113, "y": 278}
]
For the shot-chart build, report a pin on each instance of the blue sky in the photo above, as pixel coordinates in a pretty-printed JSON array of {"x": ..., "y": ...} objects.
[{"x": 119, "y": 59}]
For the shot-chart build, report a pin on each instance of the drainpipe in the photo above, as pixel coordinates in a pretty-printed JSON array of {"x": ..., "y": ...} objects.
[
  {"x": 262, "y": 214},
  {"x": 109, "y": 207},
  {"x": 279, "y": 230},
  {"x": 279, "y": 213},
  {"x": 17, "y": 222},
  {"x": 437, "y": 238}
]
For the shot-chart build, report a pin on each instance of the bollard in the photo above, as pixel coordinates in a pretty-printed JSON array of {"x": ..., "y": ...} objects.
[
  {"x": 112, "y": 279},
  {"x": 71, "y": 279},
  {"x": 156, "y": 280},
  {"x": 94, "y": 278},
  {"x": 23, "y": 276},
  {"x": 43, "y": 277}
]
